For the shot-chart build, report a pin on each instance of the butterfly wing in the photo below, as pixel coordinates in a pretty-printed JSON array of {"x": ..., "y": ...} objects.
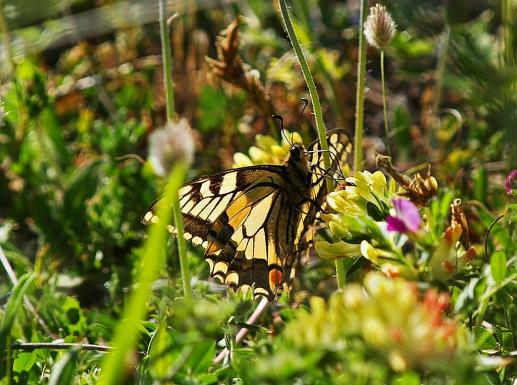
[
  {"x": 250, "y": 243},
  {"x": 204, "y": 199},
  {"x": 246, "y": 223}
]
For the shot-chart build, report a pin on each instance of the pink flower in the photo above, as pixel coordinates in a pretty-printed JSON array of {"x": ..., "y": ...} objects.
[
  {"x": 512, "y": 176},
  {"x": 407, "y": 218}
]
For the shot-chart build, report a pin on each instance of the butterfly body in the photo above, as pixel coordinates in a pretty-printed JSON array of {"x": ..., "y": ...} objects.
[{"x": 251, "y": 220}]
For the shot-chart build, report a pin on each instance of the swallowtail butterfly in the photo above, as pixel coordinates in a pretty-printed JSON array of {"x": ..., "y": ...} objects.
[{"x": 251, "y": 220}]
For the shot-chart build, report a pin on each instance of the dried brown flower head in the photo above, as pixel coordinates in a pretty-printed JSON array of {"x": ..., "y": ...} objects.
[
  {"x": 417, "y": 189},
  {"x": 458, "y": 216},
  {"x": 229, "y": 67}
]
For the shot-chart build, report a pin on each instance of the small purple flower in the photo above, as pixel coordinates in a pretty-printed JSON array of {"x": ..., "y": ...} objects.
[
  {"x": 407, "y": 218},
  {"x": 512, "y": 176}
]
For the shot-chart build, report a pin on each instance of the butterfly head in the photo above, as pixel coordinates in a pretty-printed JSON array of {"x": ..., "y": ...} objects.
[{"x": 297, "y": 152}]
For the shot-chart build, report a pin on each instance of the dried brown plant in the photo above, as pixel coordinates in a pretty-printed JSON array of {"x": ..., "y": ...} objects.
[
  {"x": 229, "y": 67},
  {"x": 417, "y": 189}
]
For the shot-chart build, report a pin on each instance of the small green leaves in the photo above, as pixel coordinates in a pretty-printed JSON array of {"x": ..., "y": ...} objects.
[
  {"x": 24, "y": 361},
  {"x": 498, "y": 266},
  {"x": 13, "y": 306}
]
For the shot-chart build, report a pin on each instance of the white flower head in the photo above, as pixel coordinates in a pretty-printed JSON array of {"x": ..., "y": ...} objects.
[
  {"x": 379, "y": 28},
  {"x": 171, "y": 144}
]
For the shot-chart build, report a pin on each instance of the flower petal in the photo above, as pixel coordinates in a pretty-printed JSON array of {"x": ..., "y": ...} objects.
[
  {"x": 396, "y": 224},
  {"x": 512, "y": 176},
  {"x": 408, "y": 213}
]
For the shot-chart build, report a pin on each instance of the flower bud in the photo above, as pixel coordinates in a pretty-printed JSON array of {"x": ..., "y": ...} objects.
[
  {"x": 379, "y": 28},
  {"x": 171, "y": 144}
]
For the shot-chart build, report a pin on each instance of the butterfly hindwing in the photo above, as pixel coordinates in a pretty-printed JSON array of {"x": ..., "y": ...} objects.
[
  {"x": 250, "y": 242},
  {"x": 250, "y": 220}
]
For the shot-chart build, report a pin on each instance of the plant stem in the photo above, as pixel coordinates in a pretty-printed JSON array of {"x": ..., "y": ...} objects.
[
  {"x": 181, "y": 169},
  {"x": 152, "y": 260},
  {"x": 178, "y": 223},
  {"x": 440, "y": 70},
  {"x": 318, "y": 115},
  {"x": 359, "y": 102},
  {"x": 29, "y": 347},
  {"x": 315, "y": 99},
  {"x": 243, "y": 331},
  {"x": 167, "y": 61},
  {"x": 507, "y": 18},
  {"x": 385, "y": 105}
]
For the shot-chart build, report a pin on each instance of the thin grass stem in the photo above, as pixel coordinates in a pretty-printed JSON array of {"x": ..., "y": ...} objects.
[
  {"x": 181, "y": 169},
  {"x": 361, "y": 81},
  {"x": 385, "y": 105},
  {"x": 318, "y": 115},
  {"x": 167, "y": 61},
  {"x": 182, "y": 249}
]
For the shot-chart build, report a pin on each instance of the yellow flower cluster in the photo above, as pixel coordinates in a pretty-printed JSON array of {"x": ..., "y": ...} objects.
[
  {"x": 363, "y": 192},
  {"x": 267, "y": 150},
  {"x": 363, "y": 187},
  {"x": 390, "y": 316},
  {"x": 413, "y": 332}
]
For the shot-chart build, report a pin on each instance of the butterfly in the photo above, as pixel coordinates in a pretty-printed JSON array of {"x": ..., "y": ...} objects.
[{"x": 251, "y": 220}]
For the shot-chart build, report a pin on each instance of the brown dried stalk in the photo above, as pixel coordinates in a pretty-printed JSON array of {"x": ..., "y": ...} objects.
[
  {"x": 229, "y": 67},
  {"x": 417, "y": 189}
]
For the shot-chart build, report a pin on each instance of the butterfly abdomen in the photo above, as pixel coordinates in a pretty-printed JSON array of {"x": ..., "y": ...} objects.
[{"x": 298, "y": 184}]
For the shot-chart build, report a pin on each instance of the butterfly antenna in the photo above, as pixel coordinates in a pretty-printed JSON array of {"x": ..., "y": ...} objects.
[
  {"x": 305, "y": 104},
  {"x": 281, "y": 120}
]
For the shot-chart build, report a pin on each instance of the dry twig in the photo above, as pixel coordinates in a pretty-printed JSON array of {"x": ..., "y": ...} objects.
[{"x": 229, "y": 67}]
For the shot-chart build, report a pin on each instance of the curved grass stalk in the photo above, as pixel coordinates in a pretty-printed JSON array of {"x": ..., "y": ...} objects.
[{"x": 318, "y": 115}]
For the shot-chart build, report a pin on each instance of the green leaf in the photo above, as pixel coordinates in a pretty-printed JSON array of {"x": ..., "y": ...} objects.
[
  {"x": 64, "y": 370},
  {"x": 24, "y": 361},
  {"x": 13, "y": 305},
  {"x": 201, "y": 357},
  {"x": 480, "y": 184},
  {"x": 408, "y": 378},
  {"x": 374, "y": 211},
  {"x": 498, "y": 266}
]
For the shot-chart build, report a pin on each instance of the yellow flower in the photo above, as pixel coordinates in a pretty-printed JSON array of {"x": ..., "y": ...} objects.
[
  {"x": 373, "y": 254},
  {"x": 267, "y": 150},
  {"x": 370, "y": 187},
  {"x": 335, "y": 250}
]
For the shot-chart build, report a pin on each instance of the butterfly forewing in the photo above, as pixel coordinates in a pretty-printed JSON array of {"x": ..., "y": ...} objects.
[{"x": 250, "y": 220}]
